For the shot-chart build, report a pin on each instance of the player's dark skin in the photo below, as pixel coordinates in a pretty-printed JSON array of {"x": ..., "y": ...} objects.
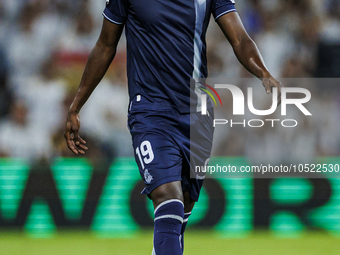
[{"x": 101, "y": 57}]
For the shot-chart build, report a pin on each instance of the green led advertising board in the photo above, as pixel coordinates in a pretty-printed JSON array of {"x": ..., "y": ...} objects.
[{"x": 60, "y": 195}]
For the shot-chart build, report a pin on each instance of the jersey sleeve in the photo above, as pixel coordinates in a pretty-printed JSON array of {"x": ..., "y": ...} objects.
[
  {"x": 116, "y": 11},
  {"x": 221, "y": 7}
]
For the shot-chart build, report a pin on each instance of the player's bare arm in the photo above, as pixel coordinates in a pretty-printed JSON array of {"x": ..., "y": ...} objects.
[
  {"x": 99, "y": 61},
  {"x": 246, "y": 51}
]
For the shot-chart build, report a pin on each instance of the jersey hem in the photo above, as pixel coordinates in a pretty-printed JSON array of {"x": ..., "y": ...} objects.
[
  {"x": 149, "y": 188},
  {"x": 223, "y": 13},
  {"x": 113, "y": 18}
]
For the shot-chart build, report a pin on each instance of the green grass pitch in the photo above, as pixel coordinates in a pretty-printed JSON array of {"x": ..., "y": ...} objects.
[{"x": 196, "y": 243}]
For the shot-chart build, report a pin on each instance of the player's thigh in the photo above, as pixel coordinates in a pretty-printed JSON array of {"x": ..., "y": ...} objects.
[
  {"x": 158, "y": 155},
  {"x": 158, "y": 158}
]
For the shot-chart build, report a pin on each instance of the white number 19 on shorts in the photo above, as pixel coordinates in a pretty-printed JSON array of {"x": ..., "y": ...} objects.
[{"x": 145, "y": 153}]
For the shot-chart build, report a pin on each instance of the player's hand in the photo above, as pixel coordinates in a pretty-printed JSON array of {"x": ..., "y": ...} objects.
[
  {"x": 269, "y": 83},
  {"x": 74, "y": 142}
]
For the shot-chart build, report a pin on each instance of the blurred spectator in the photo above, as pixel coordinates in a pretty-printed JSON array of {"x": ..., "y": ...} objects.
[
  {"x": 252, "y": 17},
  {"x": 330, "y": 31},
  {"x": 18, "y": 138},
  {"x": 96, "y": 8},
  {"x": 5, "y": 92},
  {"x": 10, "y": 9},
  {"x": 326, "y": 109},
  {"x": 297, "y": 38},
  {"x": 44, "y": 94},
  {"x": 81, "y": 36},
  {"x": 295, "y": 68},
  {"x": 27, "y": 49},
  {"x": 328, "y": 59},
  {"x": 274, "y": 44},
  {"x": 306, "y": 48}
]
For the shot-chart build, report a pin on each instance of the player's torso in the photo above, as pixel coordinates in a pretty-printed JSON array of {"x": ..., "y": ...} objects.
[{"x": 166, "y": 44}]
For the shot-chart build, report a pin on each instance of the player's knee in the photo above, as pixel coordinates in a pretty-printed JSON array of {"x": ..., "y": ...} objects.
[{"x": 167, "y": 191}]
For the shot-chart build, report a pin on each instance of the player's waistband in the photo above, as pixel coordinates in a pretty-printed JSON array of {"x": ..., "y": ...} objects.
[{"x": 141, "y": 103}]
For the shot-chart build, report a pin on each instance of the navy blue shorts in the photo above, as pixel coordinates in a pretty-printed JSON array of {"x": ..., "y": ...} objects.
[{"x": 163, "y": 149}]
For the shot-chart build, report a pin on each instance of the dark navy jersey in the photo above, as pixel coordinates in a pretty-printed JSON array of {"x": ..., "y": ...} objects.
[{"x": 166, "y": 47}]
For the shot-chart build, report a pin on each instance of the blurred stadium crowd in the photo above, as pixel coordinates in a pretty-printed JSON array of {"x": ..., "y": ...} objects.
[{"x": 44, "y": 45}]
